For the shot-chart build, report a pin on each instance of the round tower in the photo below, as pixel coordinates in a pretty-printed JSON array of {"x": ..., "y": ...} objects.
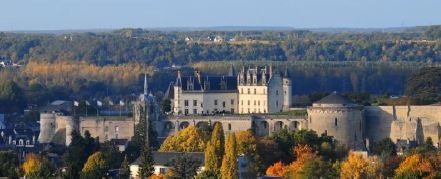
[
  {"x": 338, "y": 116},
  {"x": 47, "y": 127},
  {"x": 287, "y": 91},
  {"x": 70, "y": 127}
]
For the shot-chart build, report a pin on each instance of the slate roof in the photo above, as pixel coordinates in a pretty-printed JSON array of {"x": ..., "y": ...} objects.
[
  {"x": 164, "y": 158},
  {"x": 335, "y": 98},
  {"x": 208, "y": 83},
  {"x": 58, "y": 106}
]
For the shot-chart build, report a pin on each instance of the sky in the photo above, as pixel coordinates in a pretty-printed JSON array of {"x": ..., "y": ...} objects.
[{"x": 114, "y": 14}]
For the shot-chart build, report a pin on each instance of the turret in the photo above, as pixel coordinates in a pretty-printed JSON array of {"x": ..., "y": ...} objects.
[{"x": 287, "y": 91}]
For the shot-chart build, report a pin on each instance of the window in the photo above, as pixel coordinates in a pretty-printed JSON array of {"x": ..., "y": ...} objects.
[
  {"x": 326, "y": 132},
  {"x": 241, "y": 102},
  {"x": 20, "y": 142},
  {"x": 249, "y": 103},
  {"x": 215, "y": 102},
  {"x": 185, "y": 102},
  {"x": 106, "y": 137},
  {"x": 162, "y": 170},
  {"x": 116, "y": 136},
  {"x": 27, "y": 142},
  {"x": 195, "y": 111},
  {"x": 249, "y": 91},
  {"x": 229, "y": 127},
  {"x": 116, "y": 128},
  {"x": 195, "y": 102},
  {"x": 258, "y": 103},
  {"x": 232, "y": 110},
  {"x": 285, "y": 92},
  {"x": 277, "y": 103},
  {"x": 232, "y": 102},
  {"x": 186, "y": 112},
  {"x": 223, "y": 104},
  {"x": 255, "y": 102},
  {"x": 106, "y": 128},
  {"x": 249, "y": 110},
  {"x": 277, "y": 92},
  {"x": 255, "y": 91},
  {"x": 335, "y": 121},
  {"x": 241, "y": 90}
]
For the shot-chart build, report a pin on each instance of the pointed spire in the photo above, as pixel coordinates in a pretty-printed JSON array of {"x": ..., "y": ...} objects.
[
  {"x": 178, "y": 79},
  {"x": 145, "y": 84},
  {"x": 286, "y": 74},
  {"x": 231, "y": 71}
]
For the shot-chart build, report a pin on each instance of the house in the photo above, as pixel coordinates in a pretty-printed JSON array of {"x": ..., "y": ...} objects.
[{"x": 162, "y": 162}]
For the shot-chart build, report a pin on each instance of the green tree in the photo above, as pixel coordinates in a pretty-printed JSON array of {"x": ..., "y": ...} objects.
[
  {"x": 229, "y": 162},
  {"x": 77, "y": 153},
  {"x": 11, "y": 97},
  {"x": 146, "y": 166},
  {"x": 425, "y": 86},
  {"x": 184, "y": 166},
  {"x": 125, "y": 168},
  {"x": 8, "y": 164},
  {"x": 385, "y": 147},
  {"x": 96, "y": 166}
]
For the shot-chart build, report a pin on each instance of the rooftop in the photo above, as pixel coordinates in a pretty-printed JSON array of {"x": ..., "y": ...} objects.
[{"x": 335, "y": 98}]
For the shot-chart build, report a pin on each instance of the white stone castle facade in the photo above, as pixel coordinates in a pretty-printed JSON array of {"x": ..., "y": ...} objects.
[{"x": 252, "y": 91}]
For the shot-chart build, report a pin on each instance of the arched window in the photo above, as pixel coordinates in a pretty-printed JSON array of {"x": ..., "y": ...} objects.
[{"x": 335, "y": 121}]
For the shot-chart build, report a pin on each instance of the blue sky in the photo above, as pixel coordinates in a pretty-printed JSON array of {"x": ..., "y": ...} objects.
[{"x": 98, "y": 14}]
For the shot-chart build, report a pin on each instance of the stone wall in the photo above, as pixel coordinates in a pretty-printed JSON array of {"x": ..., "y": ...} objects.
[
  {"x": 107, "y": 128},
  {"x": 403, "y": 122},
  {"x": 344, "y": 124}
]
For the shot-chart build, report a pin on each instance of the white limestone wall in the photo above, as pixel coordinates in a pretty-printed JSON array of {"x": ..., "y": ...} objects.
[
  {"x": 229, "y": 99},
  {"x": 47, "y": 127},
  {"x": 253, "y": 99},
  {"x": 400, "y": 122},
  {"x": 344, "y": 124}
]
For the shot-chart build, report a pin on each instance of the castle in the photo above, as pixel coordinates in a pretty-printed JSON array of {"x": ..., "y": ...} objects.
[
  {"x": 252, "y": 100},
  {"x": 251, "y": 91}
]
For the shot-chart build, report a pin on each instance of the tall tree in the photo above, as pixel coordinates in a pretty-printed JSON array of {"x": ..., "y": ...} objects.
[
  {"x": 229, "y": 166},
  {"x": 215, "y": 150},
  {"x": 185, "y": 166},
  {"x": 125, "y": 168},
  {"x": 146, "y": 165},
  {"x": 247, "y": 146}
]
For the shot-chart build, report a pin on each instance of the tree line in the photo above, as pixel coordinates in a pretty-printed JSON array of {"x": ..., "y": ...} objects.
[{"x": 159, "y": 48}]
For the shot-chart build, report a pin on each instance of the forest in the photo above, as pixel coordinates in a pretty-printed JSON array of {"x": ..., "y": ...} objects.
[
  {"x": 80, "y": 66},
  {"x": 162, "y": 48}
]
